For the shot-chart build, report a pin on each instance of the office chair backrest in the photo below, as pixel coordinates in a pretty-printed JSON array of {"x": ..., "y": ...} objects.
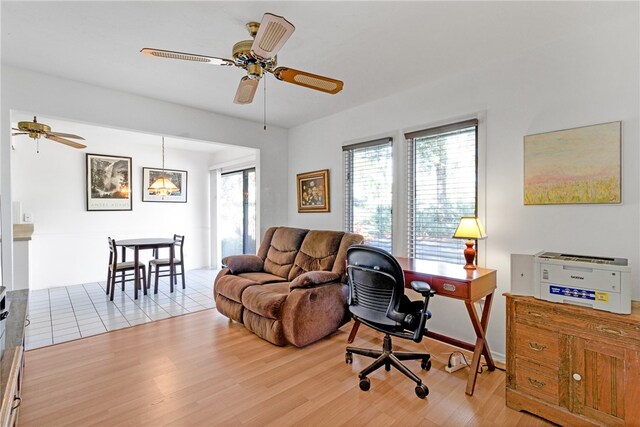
[{"x": 376, "y": 284}]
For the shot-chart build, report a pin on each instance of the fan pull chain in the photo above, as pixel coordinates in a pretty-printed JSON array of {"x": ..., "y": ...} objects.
[
  {"x": 264, "y": 108},
  {"x": 38, "y": 146}
]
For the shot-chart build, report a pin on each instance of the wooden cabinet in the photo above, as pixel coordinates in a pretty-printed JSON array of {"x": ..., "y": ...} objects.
[
  {"x": 573, "y": 365},
  {"x": 12, "y": 363}
]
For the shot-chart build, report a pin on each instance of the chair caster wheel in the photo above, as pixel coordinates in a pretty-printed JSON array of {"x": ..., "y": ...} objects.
[
  {"x": 348, "y": 358},
  {"x": 422, "y": 391},
  {"x": 426, "y": 364},
  {"x": 387, "y": 367},
  {"x": 365, "y": 384}
]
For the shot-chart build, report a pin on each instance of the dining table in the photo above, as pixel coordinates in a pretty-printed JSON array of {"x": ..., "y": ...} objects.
[{"x": 147, "y": 243}]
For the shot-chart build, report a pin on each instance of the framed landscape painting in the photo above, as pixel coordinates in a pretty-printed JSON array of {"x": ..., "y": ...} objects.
[
  {"x": 178, "y": 177},
  {"x": 108, "y": 183},
  {"x": 313, "y": 191},
  {"x": 574, "y": 166}
]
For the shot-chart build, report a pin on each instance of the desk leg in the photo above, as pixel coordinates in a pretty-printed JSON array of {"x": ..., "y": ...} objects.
[
  {"x": 482, "y": 347},
  {"x": 354, "y": 331}
]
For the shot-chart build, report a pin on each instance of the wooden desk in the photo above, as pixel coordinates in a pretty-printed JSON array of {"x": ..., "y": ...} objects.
[
  {"x": 469, "y": 286},
  {"x": 148, "y": 243}
]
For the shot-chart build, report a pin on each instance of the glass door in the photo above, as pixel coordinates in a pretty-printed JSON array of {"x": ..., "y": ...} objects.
[{"x": 237, "y": 202}]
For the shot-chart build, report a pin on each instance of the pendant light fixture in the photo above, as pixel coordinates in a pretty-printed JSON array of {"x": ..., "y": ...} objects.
[{"x": 163, "y": 186}]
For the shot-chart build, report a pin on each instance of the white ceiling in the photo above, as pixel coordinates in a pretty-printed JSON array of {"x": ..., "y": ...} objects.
[{"x": 376, "y": 48}]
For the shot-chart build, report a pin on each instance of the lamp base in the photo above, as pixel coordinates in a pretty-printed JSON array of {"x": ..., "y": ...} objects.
[{"x": 470, "y": 255}]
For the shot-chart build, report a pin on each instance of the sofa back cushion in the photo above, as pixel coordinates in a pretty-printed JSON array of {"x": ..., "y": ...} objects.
[
  {"x": 282, "y": 250},
  {"x": 317, "y": 253},
  {"x": 340, "y": 265}
]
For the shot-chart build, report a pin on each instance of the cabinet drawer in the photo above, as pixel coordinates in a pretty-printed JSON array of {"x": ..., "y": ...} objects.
[
  {"x": 537, "y": 380},
  {"x": 537, "y": 344},
  {"x": 576, "y": 321}
]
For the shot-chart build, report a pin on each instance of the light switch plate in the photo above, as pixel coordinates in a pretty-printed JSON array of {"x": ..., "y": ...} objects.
[{"x": 28, "y": 218}]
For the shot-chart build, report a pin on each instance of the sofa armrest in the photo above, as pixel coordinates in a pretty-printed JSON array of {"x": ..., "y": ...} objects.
[
  {"x": 238, "y": 264},
  {"x": 311, "y": 279}
]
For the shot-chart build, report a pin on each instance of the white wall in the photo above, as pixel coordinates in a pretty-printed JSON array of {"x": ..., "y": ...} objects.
[
  {"x": 581, "y": 80},
  {"x": 24, "y": 90}
]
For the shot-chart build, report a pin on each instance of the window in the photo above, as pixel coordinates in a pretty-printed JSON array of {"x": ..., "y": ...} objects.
[
  {"x": 368, "y": 196},
  {"x": 442, "y": 187}
]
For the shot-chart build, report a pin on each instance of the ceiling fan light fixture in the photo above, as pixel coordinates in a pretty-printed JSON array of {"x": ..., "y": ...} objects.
[{"x": 254, "y": 71}]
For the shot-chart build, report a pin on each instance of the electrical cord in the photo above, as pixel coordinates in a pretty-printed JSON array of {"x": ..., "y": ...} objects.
[{"x": 481, "y": 368}]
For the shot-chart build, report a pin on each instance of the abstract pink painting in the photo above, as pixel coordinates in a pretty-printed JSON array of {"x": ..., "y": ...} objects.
[{"x": 573, "y": 166}]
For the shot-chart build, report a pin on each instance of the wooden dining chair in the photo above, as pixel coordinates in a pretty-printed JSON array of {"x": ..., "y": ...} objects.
[
  {"x": 162, "y": 266},
  {"x": 125, "y": 269}
]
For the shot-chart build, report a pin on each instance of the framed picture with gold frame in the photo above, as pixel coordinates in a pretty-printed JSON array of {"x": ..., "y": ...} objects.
[{"x": 313, "y": 191}]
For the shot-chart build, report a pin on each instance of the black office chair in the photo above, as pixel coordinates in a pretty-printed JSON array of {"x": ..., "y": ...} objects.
[
  {"x": 163, "y": 265},
  {"x": 377, "y": 299}
]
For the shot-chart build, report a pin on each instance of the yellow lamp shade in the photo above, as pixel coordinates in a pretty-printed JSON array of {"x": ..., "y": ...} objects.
[{"x": 470, "y": 228}]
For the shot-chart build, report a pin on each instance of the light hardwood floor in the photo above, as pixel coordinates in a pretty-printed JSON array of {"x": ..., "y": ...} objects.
[{"x": 201, "y": 369}]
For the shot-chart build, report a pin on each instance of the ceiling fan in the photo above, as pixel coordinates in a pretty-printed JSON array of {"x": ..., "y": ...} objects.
[
  {"x": 258, "y": 56},
  {"x": 35, "y": 130}
]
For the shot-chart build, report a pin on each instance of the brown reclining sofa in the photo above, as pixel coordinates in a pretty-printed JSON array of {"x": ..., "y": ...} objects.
[{"x": 293, "y": 291}]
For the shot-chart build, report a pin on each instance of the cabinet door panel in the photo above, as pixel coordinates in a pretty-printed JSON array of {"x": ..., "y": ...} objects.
[{"x": 598, "y": 381}]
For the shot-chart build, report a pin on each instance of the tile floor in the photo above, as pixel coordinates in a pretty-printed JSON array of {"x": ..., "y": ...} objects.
[{"x": 67, "y": 313}]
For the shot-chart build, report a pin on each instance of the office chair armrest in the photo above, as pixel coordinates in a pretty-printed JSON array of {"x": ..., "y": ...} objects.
[
  {"x": 422, "y": 287},
  {"x": 243, "y": 263},
  {"x": 311, "y": 279}
]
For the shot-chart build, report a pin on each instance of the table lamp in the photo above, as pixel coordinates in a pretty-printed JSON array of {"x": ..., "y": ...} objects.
[{"x": 471, "y": 229}]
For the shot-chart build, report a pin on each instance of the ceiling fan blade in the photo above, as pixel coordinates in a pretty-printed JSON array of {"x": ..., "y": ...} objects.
[
  {"x": 273, "y": 33},
  {"x": 65, "y": 135},
  {"x": 19, "y": 133},
  {"x": 170, "y": 54},
  {"x": 246, "y": 90},
  {"x": 65, "y": 141},
  {"x": 312, "y": 81}
]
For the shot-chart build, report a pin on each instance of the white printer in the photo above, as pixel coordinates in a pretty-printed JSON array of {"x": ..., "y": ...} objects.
[{"x": 597, "y": 282}]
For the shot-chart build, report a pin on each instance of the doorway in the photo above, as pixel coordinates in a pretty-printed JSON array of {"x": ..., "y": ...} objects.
[{"x": 237, "y": 201}]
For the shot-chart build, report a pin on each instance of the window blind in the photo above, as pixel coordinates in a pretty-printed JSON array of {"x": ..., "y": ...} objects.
[
  {"x": 442, "y": 175},
  {"x": 368, "y": 191}
]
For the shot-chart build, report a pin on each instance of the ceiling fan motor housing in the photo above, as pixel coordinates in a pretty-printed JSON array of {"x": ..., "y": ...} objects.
[{"x": 34, "y": 129}]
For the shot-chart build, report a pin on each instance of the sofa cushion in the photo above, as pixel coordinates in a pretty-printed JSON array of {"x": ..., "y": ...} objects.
[
  {"x": 283, "y": 250},
  {"x": 317, "y": 252},
  {"x": 232, "y": 287},
  {"x": 266, "y": 300},
  {"x": 340, "y": 265},
  {"x": 262, "y": 278}
]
